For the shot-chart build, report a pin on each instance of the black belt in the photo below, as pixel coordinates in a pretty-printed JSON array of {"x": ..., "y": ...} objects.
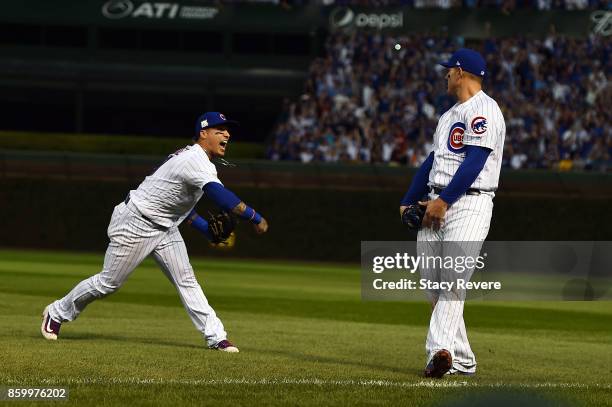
[
  {"x": 127, "y": 200},
  {"x": 470, "y": 191}
]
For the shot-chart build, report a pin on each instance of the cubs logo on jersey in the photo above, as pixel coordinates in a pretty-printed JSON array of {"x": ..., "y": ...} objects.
[
  {"x": 455, "y": 138},
  {"x": 479, "y": 124}
]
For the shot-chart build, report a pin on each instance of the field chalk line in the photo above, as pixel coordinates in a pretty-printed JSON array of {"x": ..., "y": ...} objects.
[{"x": 311, "y": 381}]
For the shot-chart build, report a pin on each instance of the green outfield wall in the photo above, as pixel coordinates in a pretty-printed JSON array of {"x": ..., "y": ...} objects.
[{"x": 314, "y": 212}]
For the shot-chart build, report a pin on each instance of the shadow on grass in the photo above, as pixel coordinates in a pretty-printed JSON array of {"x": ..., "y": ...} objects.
[
  {"x": 77, "y": 337},
  {"x": 411, "y": 372},
  {"x": 302, "y": 357}
]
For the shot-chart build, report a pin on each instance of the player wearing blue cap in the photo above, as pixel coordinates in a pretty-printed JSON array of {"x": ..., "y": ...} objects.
[
  {"x": 455, "y": 187},
  {"x": 146, "y": 223}
]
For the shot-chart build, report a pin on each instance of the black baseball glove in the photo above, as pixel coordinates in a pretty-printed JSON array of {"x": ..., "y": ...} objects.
[
  {"x": 413, "y": 216},
  {"x": 221, "y": 226}
]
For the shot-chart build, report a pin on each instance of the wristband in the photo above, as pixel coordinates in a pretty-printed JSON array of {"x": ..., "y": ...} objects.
[
  {"x": 250, "y": 215},
  {"x": 257, "y": 219}
]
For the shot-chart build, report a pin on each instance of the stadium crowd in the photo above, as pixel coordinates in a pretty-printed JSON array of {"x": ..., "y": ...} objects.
[
  {"x": 376, "y": 98},
  {"x": 504, "y": 5}
]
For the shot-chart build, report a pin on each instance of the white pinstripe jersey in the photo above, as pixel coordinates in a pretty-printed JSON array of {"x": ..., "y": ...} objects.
[
  {"x": 170, "y": 193},
  {"x": 478, "y": 122}
]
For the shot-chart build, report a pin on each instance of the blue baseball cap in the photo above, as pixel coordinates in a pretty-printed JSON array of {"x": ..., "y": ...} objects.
[
  {"x": 212, "y": 119},
  {"x": 468, "y": 60}
]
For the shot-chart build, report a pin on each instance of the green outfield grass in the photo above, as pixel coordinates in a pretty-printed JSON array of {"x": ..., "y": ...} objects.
[{"x": 305, "y": 337}]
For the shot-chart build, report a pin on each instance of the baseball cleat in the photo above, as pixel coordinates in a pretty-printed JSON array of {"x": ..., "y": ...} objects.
[
  {"x": 226, "y": 346},
  {"x": 50, "y": 328},
  {"x": 441, "y": 363}
]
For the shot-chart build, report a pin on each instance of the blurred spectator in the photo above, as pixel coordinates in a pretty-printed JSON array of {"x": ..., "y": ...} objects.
[{"x": 377, "y": 98}]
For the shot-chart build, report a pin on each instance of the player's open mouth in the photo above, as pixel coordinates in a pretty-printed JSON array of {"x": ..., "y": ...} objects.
[{"x": 224, "y": 143}]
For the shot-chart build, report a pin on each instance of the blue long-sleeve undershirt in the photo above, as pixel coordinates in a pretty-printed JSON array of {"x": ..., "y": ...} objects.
[
  {"x": 227, "y": 200},
  {"x": 221, "y": 196},
  {"x": 466, "y": 174},
  {"x": 224, "y": 199},
  {"x": 199, "y": 223},
  {"x": 418, "y": 187}
]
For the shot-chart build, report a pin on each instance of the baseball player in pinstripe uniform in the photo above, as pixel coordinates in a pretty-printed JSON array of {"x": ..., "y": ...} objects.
[
  {"x": 146, "y": 223},
  {"x": 460, "y": 178}
]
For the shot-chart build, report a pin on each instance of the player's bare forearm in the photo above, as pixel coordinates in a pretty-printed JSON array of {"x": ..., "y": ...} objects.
[
  {"x": 239, "y": 209},
  {"x": 243, "y": 211}
]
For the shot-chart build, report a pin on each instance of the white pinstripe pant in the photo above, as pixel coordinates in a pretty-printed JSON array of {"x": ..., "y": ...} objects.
[
  {"x": 467, "y": 220},
  {"x": 132, "y": 238}
]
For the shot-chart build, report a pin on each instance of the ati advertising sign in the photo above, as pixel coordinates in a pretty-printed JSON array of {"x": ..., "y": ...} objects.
[
  {"x": 127, "y": 9},
  {"x": 342, "y": 18}
]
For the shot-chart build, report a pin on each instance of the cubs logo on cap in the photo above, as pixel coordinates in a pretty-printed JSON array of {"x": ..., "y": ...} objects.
[
  {"x": 455, "y": 138},
  {"x": 212, "y": 119},
  {"x": 479, "y": 124}
]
